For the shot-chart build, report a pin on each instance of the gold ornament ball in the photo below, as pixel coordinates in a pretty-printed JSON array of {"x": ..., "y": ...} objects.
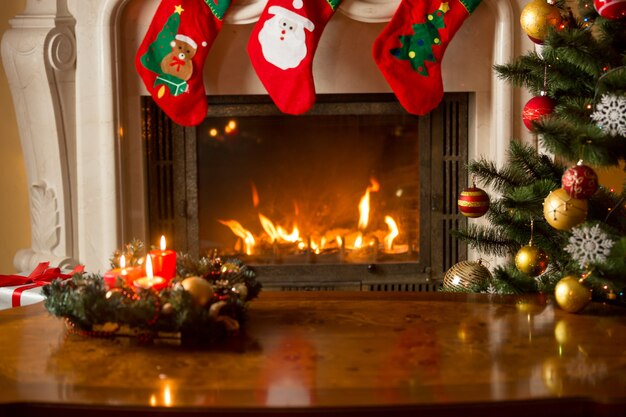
[
  {"x": 531, "y": 260},
  {"x": 242, "y": 290},
  {"x": 199, "y": 289},
  {"x": 537, "y": 17},
  {"x": 562, "y": 211},
  {"x": 571, "y": 295},
  {"x": 465, "y": 274},
  {"x": 167, "y": 309}
]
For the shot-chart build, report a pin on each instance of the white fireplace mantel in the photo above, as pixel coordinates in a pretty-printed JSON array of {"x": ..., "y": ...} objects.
[{"x": 64, "y": 60}]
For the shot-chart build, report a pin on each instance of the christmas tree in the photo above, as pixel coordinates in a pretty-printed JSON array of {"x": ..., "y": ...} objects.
[{"x": 548, "y": 217}]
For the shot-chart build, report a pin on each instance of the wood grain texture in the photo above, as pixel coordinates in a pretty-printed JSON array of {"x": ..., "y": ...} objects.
[{"x": 335, "y": 353}]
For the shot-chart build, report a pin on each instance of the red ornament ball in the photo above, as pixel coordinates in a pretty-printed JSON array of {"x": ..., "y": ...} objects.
[
  {"x": 611, "y": 9},
  {"x": 473, "y": 202},
  {"x": 535, "y": 109},
  {"x": 580, "y": 181}
]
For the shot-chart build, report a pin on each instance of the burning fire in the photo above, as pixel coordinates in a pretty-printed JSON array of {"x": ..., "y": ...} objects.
[
  {"x": 364, "y": 204},
  {"x": 245, "y": 235},
  {"x": 393, "y": 233},
  {"x": 276, "y": 234}
]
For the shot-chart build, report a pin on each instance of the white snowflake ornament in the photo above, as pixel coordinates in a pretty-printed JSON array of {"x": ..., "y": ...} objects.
[
  {"x": 589, "y": 245},
  {"x": 610, "y": 114},
  {"x": 491, "y": 289}
]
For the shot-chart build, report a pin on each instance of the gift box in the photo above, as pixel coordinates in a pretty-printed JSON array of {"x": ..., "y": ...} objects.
[
  {"x": 21, "y": 290},
  {"x": 20, "y": 295}
]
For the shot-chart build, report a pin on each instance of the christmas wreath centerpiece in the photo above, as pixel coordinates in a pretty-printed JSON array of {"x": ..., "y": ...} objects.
[{"x": 206, "y": 298}]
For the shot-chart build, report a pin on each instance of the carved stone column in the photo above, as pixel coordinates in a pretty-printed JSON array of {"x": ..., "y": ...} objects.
[{"x": 39, "y": 57}]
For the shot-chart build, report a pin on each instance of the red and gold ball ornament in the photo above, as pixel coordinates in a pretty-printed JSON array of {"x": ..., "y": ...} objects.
[
  {"x": 531, "y": 260},
  {"x": 571, "y": 295},
  {"x": 611, "y": 9},
  {"x": 465, "y": 275},
  {"x": 562, "y": 211},
  {"x": 473, "y": 202},
  {"x": 580, "y": 181},
  {"x": 537, "y": 17},
  {"x": 536, "y": 108}
]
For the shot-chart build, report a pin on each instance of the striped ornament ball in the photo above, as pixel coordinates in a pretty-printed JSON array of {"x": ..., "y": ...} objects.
[
  {"x": 473, "y": 202},
  {"x": 466, "y": 275}
]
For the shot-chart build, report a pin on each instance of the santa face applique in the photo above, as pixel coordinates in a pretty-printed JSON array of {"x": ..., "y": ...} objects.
[{"x": 283, "y": 37}]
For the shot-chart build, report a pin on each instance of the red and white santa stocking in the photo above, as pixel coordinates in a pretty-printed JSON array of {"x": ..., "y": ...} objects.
[
  {"x": 410, "y": 49},
  {"x": 171, "y": 57},
  {"x": 282, "y": 47}
]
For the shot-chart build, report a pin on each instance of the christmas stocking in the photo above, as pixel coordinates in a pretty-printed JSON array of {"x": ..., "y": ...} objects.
[
  {"x": 282, "y": 46},
  {"x": 410, "y": 49},
  {"x": 172, "y": 54}
]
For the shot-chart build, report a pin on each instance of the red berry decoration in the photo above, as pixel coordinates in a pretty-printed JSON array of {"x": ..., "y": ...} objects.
[
  {"x": 535, "y": 109},
  {"x": 580, "y": 181},
  {"x": 611, "y": 9},
  {"x": 473, "y": 202}
]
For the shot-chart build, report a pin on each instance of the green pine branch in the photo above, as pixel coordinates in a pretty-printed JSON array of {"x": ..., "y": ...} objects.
[
  {"x": 488, "y": 240},
  {"x": 580, "y": 140}
]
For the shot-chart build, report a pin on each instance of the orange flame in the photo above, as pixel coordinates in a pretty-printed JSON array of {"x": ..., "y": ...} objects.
[
  {"x": 315, "y": 247},
  {"x": 393, "y": 233},
  {"x": 276, "y": 232},
  {"x": 255, "y": 196},
  {"x": 358, "y": 242},
  {"x": 364, "y": 204},
  {"x": 269, "y": 227},
  {"x": 294, "y": 236},
  {"x": 240, "y": 231}
]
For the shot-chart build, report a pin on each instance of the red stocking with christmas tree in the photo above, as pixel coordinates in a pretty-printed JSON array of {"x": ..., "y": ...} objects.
[
  {"x": 171, "y": 57},
  {"x": 410, "y": 49},
  {"x": 282, "y": 46}
]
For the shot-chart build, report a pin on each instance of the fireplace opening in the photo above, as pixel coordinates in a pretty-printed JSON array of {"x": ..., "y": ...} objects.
[{"x": 356, "y": 194}]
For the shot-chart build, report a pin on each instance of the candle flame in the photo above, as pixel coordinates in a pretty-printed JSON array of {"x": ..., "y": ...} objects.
[
  {"x": 149, "y": 272},
  {"x": 163, "y": 245},
  {"x": 122, "y": 261}
]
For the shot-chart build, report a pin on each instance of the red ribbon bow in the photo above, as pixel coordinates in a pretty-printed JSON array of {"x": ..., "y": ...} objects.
[
  {"x": 178, "y": 62},
  {"x": 40, "y": 276}
]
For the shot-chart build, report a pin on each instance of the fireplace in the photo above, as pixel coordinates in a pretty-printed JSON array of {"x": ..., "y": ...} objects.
[
  {"x": 356, "y": 194},
  {"x": 78, "y": 104}
]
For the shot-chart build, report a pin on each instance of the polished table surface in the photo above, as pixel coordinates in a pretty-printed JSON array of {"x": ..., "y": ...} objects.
[{"x": 333, "y": 353}]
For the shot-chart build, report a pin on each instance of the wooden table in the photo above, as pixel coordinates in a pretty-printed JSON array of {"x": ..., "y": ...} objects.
[{"x": 333, "y": 353}]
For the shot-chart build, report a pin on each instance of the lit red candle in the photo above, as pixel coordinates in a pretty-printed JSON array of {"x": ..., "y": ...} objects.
[
  {"x": 164, "y": 261},
  {"x": 128, "y": 274},
  {"x": 150, "y": 280}
]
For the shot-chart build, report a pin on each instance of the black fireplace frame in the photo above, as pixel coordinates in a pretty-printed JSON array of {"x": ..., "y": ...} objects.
[{"x": 173, "y": 191}]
